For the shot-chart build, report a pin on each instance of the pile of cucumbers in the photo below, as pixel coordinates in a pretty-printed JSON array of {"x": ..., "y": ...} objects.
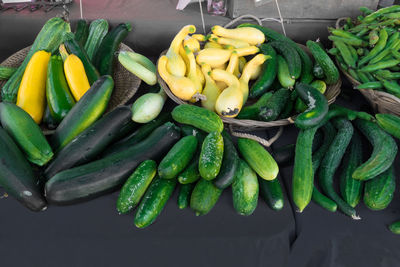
[{"x": 368, "y": 49}]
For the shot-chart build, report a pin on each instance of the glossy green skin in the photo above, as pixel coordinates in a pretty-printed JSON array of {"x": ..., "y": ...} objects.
[
  {"x": 383, "y": 153},
  {"x": 73, "y": 47},
  {"x": 49, "y": 38},
  {"x": 371, "y": 17},
  {"x": 346, "y": 54},
  {"x": 59, "y": 98},
  {"x": 178, "y": 157},
  {"x": 97, "y": 30},
  {"x": 284, "y": 76},
  {"x": 348, "y": 41},
  {"x": 350, "y": 188},
  {"x": 153, "y": 202},
  {"x": 104, "y": 58},
  {"x": 190, "y": 130},
  {"x": 390, "y": 123},
  {"x": 265, "y": 80},
  {"x": 198, "y": 117},
  {"x": 184, "y": 195},
  {"x": 395, "y": 228},
  {"x": 271, "y": 110},
  {"x": 86, "y": 111},
  {"x": 392, "y": 87},
  {"x": 26, "y": 133},
  {"x": 322, "y": 58},
  {"x": 81, "y": 32},
  {"x": 289, "y": 106},
  {"x": 331, "y": 162},
  {"x": 6, "y": 72},
  {"x": 212, "y": 152},
  {"x": 191, "y": 173},
  {"x": 251, "y": 112},
  {"x": 136, "y": 185},
  {"x": 48, "y": 120},
  {"x": 259, "y": 159},
  {"x": 245, "y": 189},
  {"x": 369, "y": 85},
  {"x": 387, "y": 74},
  {"x": 17, "y": 177},
  {"x": 317, "y": 106},
  {"x": 204, "y": 197},
  {"x": 378, "y": 192},
  {"x": 380, "y": 65},
  {"x": 323, "y": 200},
  {"x": 271, "y": 192},
  {"x": 291, "y": 56}
]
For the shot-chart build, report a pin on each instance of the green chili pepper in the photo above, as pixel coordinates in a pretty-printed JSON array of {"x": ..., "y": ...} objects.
[
  {"x": 345, "y": 53},
  {"x": 383, "y": 36},
  {"x": 392, "y": 87},
  {"x": 351, "y": 41},
  {"x": 369, "y": 85},
  {"x": 371, "y": 17},
  {"x": 380, "y": 65}
]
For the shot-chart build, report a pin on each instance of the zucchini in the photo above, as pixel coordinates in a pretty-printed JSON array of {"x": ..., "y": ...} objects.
[
  {"x": 271, "y": 192},
  {"x": 97, "y": 30},
  {"x": 86, "y": 111},
  {"x": 17, "y": 177},
  {"x": 390, "y": 123},
  {"x": 245, "y": 189},
  {"x": 378, "y": 192},
  {"x": 81, "y": 32},
  {"x": 212, "y": 151},
  {"x": 26, "y": 133},
  {"x": 107, "y": 174},
  {"x": 136, "y": 185},
  {"x": 153, "y": 202},
  {"x": 284, "y": 76},
  {"x": 178, "y": 157},
  {"x": 229, "y": 165},
  {"x": 48, "y": 120},
  {"x": 198, "y": 117},
  {"x": 275, "y": 105},
  {"x": 251, "y": 112},
  {"x": 90, "y": 143},
  {"x": 383, "y": 153},
  {"x": 184, "y": 195},
  {"x": 291, "y": 56},
  {"x": 204, "y": 197},
  {"x": 6, "y": 72},
  {"x": 258, "y": 158}
]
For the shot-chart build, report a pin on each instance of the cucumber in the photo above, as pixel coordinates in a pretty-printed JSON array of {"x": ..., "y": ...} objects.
[
  {"x": 390, "y": 123},
  {"x": 378, "y": 192},
  {"x": 271, "y": 192},
  {"x": 288, "y": 108},
  {"x": 107, "y": 174},
  {"x": 211, "y": 155},
  {"x": 283, "y": 73},
  {"x": 136, "y": 185},
  {"x": 86, "y": 111},
  {"x": 395, "y": 227},
  {"x": 184, "y": 195},
  {"x": 258, "y": 158},
  {"x": 91, "y": 142},
  {"x": 275, "y": 105},
  {"x": 191, "y": 173},
  {"x": 229, "y": 165},
  {"x": 251, "y": 112},
  {"x": 17, "y": 177},
  {"x": 318, "y": 71},
  {"x": 198, "y": 117},
  {"x": 178, "y": 157},
  {"x": 268, "y": 75},
  {"x": 322, "y": 58},
  {"x": 291, "y": 56},
  {"x": 323, "y": 200},
  {"x": 204, "y": 197},
  {"x": 383, "y": 153},
  {"x": 245, "y": 189},
  {"x": 97, "y": 30},
  {"x": 26, "y": 133},
  {"x": 190, "y": 130},
  {"x": 81, "y": 31},
  {"x": 153, "y": 202},
  {"x": 350, "y": 188}
]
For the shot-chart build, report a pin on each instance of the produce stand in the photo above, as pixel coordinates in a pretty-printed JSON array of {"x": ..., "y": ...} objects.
[{"x": 93, "y": 234}]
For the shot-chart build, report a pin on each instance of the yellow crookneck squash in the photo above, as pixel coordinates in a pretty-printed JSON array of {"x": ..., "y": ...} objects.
[{"x": 211, "y": 91}]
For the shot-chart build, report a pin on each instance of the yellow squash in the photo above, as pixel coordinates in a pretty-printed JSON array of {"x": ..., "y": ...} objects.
[
  {"x": 212, "y": 45},
  {"x": 247, "y": 51},
  {"x": 229, "y": 41},
  {"x": 213, "y": 56},
  {"x": 199, "y": 37},
  {"x": 200, "y": 75},
  {"x": 182, "y": 87},
  {"x": 176, "y": 66},
  {"x": 211, "y": 90},
  {"x": 230, "y": 101},
  {"x": 242, "y": 63},
  {"x": 192, "y": 43},
  {"x": 192, "y": 74},
  {"x": 32, "y": 89},
  {"x": 76, "y": 76},
  {"x": 233, "y": 66},
  {"x": 250, "y": 35},
  {"x": 183, "y": 54}
]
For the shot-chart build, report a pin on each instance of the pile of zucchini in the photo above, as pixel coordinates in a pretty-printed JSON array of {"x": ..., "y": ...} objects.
[{"x": 369, "y": 49}]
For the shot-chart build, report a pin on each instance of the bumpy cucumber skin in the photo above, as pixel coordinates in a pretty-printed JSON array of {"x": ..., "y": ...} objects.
[
  {"x": 271, "y": 192},
  {"x": 212, "y": 152},
  {"x": 136, "y": 185},
  {"x": 178, "y": 157},
  {"x": 383, "y": 154},
  {"x": 390, "y": 123},
  {"x": 291, "y": 56},
  {"x": 204, "y": 197},
  {"x": 275, "y": 105},
  {"x": 378, "y": 192},
  {"x": 154, "y": 200},
  {"x": 184, "y": 195},
  {"x": 245, "y": 189}
]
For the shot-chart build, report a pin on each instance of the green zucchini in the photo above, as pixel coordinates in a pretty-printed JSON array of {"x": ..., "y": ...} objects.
[
  {"x": 251, "y": 112},
  {"x": 275, "y": 105},
  {"x": 48, "y": 120},
  {"x": 259, "y": 159},
  {"x": 178, "y": 157},
  {"x": 17, "y": 177},
  {"x": 271, "y": 192},
  {"x": 86, "y": 111},
  {"x": 284, "y": 77},
  {"x": 108, "y": 173},
  {"x": 153, "y": 202},
  {"x": 383, "y": 153},
  {"x": 245, "y": 189},
  {"x": 97, "y": 30},
  {"x": 90, "y": 143},
  {"x": 26, "y": 133},
  {"x": 136, "y": 185},
  {"x": 81, "y": 32},
  {"x": 6, "y": 72},
  {"x": 378, "y": 192},
  {"x": 291, "y": 56},
  {"x": 184, "y": 195},
  {"x": 212, "y": 152},
  {"x": 390, "y": 123},
  {"x": 204, "y": 197},
  {"x": 198, "y": 117}
]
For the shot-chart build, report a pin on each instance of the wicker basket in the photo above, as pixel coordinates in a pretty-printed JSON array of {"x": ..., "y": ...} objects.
[{"x": 381, "y": 102}]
